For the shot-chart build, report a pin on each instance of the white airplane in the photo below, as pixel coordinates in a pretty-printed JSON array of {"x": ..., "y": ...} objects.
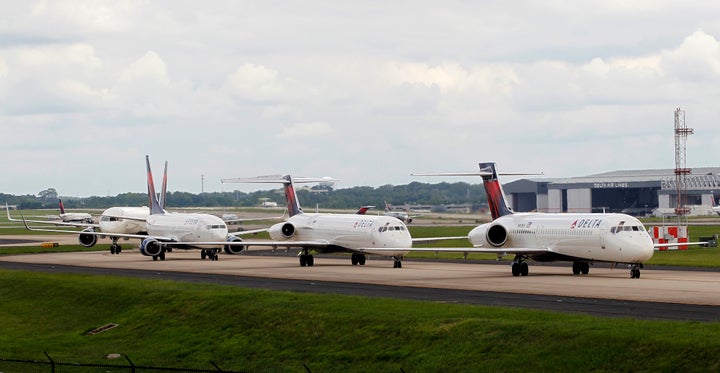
[
  {"x": 70, "y": 217},
  {"x": 402, "y": 215},
  {"x": 327, "y": 233},
  {"x": 126, "y": 220},
  {"x": 114, "y": 220},
  {"x": 579, "y": 238},
  {"x": 715, "y": 208},
  {"x": 166, "y": 231}
]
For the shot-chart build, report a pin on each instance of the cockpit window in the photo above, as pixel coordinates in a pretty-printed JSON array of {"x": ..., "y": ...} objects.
[
  {"x": 216, "y": 226},
  {"x": 391, "y": 228}
]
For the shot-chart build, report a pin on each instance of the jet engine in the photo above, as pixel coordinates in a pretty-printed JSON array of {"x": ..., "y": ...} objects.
[
  {"x": 150, "y": 247},
  {"x": 282, "y": 231},
  {"x": 489, "y": 234},
  {"x": 234, "y": 249},
  {"x": 86, "y": 239}
]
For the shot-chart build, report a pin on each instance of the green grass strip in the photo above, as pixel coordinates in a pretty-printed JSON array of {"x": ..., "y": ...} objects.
[{"x": 164, "y": 323}]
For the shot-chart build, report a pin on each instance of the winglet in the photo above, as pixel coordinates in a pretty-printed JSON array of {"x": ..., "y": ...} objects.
[
  {"x": 62, "y": 208},
  {"x": 7, "y": 208},
  {"x": 153, "y": 202}
]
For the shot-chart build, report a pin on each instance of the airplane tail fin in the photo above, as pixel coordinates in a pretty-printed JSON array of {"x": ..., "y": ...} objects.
[
  {"x": 62, "y": 208},
  {"x": 153, "y": 202},
  {"x": 163, "y": 191},
  {"x": 493, "y": 189},
  {"x": 387, "y": 206},
  {"x": 363, "y": 209},
  {"x": 495, "y": 195},
  {"x": 293, "y": 205}
]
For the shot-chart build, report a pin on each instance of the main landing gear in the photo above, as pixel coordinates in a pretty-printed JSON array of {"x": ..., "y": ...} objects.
[
  {"x": 397, "y": 261},
  {"x": 519, "y": 266},
  {"x": 115, "y": 247},
  {"x": 306, "y": 259},
  {"x": 356, "y": 259},
  {"x": 635, "y": 270},
  {"x": 211, "y": 254},
  {"x": 581, "y": 267},
  {"x": 160, "y": 256}
]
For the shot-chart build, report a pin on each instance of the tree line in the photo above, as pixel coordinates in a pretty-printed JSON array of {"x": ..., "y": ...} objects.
[{"x": 415, "y": 193}]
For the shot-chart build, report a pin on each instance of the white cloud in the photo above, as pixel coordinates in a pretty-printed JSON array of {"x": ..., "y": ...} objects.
[
  {"x": 433, "y": 86},
  {"x": 254, "y": 82},
  {"x": 306, "y": 131}
]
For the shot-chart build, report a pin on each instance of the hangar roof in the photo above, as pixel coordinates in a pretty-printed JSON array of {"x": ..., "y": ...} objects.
[{"x": 700, "y": 177}]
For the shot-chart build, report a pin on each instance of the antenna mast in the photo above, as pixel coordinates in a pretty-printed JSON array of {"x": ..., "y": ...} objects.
[{"x": 681, "y": 170}]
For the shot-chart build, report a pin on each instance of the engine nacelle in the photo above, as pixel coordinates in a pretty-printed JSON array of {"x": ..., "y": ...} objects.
[
  {"x": 150, "y": 247},
  {"x": 234, "y": 249},
  {"x": 489, "y": 234},
  {"x": 87, "y": 239},
  {"x": 282, "y": 231}
]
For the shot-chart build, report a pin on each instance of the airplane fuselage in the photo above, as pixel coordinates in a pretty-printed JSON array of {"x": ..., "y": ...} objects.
[
  {"x": 188, "y": 228},
  {"x": 615, "y": 238},
  {"x": 346, "y": 232},
  {"x": 113, "y": 220},
  {"x": 76, "y": 217}
]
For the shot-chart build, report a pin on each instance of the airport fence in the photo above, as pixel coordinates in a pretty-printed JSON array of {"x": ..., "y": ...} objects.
[{"x": 50, "y": 365}]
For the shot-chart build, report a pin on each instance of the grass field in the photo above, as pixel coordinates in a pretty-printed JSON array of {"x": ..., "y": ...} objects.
[{"x": 187, "y": 325}]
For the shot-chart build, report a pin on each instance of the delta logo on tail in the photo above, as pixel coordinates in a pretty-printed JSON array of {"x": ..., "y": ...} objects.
[
  {"x": 292, "y": 203},
  {"x": 494, "y": 192}
]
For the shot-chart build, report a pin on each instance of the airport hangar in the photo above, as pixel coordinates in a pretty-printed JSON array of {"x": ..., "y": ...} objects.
[{"x": 636, "y": 192}]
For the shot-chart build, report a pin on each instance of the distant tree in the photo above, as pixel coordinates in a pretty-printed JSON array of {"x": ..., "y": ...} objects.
[{"x": 48, "y": 195}]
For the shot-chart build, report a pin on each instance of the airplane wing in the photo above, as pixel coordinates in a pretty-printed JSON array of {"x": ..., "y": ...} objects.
[
  {"x": 482, "y": 250},
  {"x": 434, "y": 239},
  {"x": 676, "y": 244},
  {"x": 308, "y": 244},
  {"x": 243, "y": 233},
  {"x": 254, "y": 219},
  {"x": 101, "y": 234},
  {"x": 53, "y": 222}
]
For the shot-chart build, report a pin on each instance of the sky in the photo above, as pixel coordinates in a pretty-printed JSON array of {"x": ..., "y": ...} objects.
[{"x": 366, "y": 92}]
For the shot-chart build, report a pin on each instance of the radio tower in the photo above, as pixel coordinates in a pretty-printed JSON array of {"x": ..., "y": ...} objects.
[{"x": 681, "y": 170}]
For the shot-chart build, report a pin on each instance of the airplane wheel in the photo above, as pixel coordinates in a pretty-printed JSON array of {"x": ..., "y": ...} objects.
[
  {"x": 516, "y": 269},
  {"x": 524, "y": 270},
  {"x": 576, "y": 268},
  {"x": 361, "y": 259},
  {"x": 310, "y": 260},
  {"x": 112, "y": 250},
  {"x": 118, "y": 250},
  {"x": 155, "y": 257},
  {"x": 203, "y": 254},
  {"x": 354, "y": 259},
  {"x": 585, "y": 268},
  {"x": 162, "y": 255},
  {"x": 303, "y": 261}
]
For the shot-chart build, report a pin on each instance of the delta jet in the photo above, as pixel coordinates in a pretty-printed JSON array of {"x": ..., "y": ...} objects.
[
  {"x": 114, "y": 220},
  {"x": 579, "y": 238},
  {"x": 402, "y": 215},
  {"x": 356, "y": 233},
  {"x": 72, "y": 217},
  {"x": 165, "y": 231}
]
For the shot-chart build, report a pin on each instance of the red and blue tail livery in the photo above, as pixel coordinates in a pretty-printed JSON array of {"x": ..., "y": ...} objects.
[{"x": 493, "y": 190}]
